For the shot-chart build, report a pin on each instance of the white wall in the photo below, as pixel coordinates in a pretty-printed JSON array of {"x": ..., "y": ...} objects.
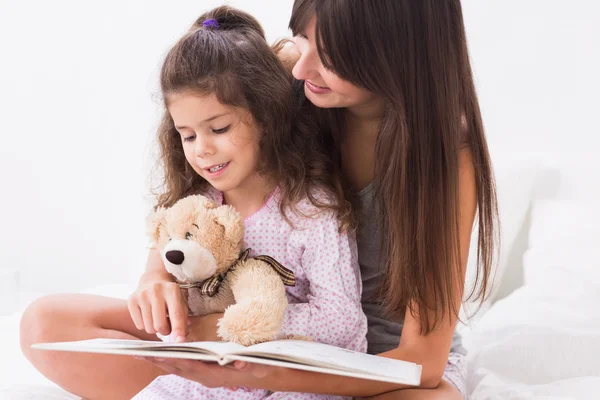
[
  {"x": 78, "y": 110},
  {"x": 79, "y": 106},
  {"x": 537, "y": 67}
]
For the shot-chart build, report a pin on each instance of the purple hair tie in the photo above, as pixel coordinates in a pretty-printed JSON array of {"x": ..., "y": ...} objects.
[{"x": 211, "y": 23}]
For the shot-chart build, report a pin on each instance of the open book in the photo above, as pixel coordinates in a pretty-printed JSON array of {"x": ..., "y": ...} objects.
[{"x": 297, "y": 354}]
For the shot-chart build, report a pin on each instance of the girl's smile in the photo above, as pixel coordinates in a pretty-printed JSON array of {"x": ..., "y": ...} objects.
[{"x": 215, "y": 171}]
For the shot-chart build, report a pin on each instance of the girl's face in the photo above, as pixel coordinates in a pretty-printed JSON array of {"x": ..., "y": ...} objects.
[
  {"x": 322, "y": 86},
  {"x": 220, "y": 142}
]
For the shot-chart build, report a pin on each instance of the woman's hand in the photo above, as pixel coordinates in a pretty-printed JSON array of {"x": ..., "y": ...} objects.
[
  {"x": 276, "y": 379},
  {"x": 237, "y": 374},
  {"x": 157, "y": 305}
]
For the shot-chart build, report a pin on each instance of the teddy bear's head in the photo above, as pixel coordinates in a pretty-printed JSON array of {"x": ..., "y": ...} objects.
[{"x": 196, "y": 237}]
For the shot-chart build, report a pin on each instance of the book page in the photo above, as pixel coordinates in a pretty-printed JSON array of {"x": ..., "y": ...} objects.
[
  {"x": 297, "y": 354},
  {"x": 323, "y": 355},
  {"x": 104, "y": 343},
  {"x": 407, "y": 380},
  {"x": 219, "y": 348},
  {"x": 115, "y": 345},
  {"x": 126, "y": 348}
]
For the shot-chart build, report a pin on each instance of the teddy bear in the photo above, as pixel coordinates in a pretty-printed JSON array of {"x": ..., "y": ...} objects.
[{"x": 201, "y": 244}]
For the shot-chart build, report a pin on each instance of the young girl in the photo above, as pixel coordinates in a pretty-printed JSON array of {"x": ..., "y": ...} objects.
[
  {"x": 231, "y": 132},
  {"x": 398, "y": 101}
]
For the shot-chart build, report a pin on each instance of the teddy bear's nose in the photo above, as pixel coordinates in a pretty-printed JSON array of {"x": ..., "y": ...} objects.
[{"x": 175, "y": 256}]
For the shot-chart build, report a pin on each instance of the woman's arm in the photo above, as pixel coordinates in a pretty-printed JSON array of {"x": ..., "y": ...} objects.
[{"x": 432, "y": 350}]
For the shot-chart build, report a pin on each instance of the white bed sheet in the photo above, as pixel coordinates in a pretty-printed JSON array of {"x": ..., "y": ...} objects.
[
  {"x": 541, "y": 342},
  {"x": 19, "y": 380}
]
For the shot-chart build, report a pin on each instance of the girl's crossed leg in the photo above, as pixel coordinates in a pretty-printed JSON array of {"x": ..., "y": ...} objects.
[
  {"x": 173, "y": 387},
  {"x": 66, "y": 317}
]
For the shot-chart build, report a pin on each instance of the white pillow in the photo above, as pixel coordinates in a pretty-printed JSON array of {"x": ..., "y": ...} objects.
[
  {"x": 579, "y": 180},
  {"x": 564, "y": 238},
  {"x": 553, "y": 321},
  {"x": 515, "y": 182}
]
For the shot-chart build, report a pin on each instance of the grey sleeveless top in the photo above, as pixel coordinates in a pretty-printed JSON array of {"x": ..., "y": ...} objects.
[{"x": 383, "y": 334}]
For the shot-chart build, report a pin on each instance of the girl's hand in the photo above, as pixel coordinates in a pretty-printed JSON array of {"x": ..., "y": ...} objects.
[
  {"x": 204, "y": 328},
  {"x": 238, "y": 374},
  {"x": 157, "y": 305}
]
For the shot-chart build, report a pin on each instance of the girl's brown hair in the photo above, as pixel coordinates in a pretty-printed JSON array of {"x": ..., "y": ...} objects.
[
  {"x": 234, "y": 61},
  {"x": 413, "y": 54}
]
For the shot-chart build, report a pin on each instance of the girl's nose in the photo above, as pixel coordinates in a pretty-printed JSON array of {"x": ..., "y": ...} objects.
[{"x": 204, "y": 146}]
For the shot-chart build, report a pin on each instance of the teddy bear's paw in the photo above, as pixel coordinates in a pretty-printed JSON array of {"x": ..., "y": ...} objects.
[{"x": 251, "y": 323}]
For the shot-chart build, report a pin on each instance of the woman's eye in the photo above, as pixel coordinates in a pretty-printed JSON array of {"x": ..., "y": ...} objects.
[
  {"x": 189, "y": 138},
  {"x": 222, "y": 130},
  {"x": 188, "y": 236}
]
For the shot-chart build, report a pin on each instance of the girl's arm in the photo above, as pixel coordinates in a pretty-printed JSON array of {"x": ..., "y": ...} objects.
[{"x": 333, "y": 312}]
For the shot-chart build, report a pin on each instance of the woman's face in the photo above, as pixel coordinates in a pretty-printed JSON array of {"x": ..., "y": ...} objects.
[{"x": 322, "y": 86}]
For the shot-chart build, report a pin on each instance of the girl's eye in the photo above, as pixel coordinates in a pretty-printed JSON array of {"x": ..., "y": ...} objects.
[
  {"x": 188, "y": 236},
  {"x": 222, "y": 130},
  {"x": 189, "y": 138}
]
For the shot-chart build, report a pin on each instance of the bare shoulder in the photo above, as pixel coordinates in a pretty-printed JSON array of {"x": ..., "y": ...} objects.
[
  {"x": 468, "y": 203},
  {"x": 465, "y": 162},
  {"x": 467, "y": 186}
]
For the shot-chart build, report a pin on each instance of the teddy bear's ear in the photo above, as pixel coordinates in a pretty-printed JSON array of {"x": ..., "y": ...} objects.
[
  {"x": 227, "y": 217},
  {"x": 154, "y": 221}
]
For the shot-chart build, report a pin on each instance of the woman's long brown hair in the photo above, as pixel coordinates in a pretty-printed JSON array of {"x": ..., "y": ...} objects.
[
  {"x": 413, "y": 54},
  {"x": 235, "y": 62}
]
